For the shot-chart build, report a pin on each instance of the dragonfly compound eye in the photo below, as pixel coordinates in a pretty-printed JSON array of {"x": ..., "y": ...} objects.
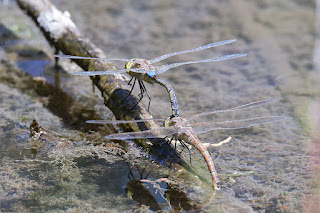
[
  {"x": 151, "y": 74},
  {"x": 128, "y": 65},
  {"x": 131, "y": 63}
]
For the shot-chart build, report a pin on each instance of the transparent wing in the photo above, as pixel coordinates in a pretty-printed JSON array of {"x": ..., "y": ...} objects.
[
  {"x": 82, "y": 57},
  {"x": 121, "y": 121},
  {"x": 110, "y": 72},
  {"x": 162, "y": 69},
  {"x": 242, "y": 107},
  {"x": 235, "y": 124},
  {"x": 152, "y": 133},
  {"x": 154, "y": 60}
]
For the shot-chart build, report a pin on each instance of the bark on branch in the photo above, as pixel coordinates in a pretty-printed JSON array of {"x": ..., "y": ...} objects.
[{"x": 62, "y": 33}]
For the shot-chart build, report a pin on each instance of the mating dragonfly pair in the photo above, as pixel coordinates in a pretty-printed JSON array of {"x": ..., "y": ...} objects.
[{"x": 142, "y": 70}]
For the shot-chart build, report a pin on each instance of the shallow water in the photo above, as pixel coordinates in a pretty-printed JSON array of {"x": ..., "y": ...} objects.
[{"x": 263, "y": 169}]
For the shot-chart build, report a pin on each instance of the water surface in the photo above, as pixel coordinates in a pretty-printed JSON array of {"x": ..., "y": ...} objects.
[{"x": 263, "y": 169}]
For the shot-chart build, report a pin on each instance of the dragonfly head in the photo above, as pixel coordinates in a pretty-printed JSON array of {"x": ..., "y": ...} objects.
[{"x": 167, "y": 122}]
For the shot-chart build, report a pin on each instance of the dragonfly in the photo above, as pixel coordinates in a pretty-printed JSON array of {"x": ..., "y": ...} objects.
[
  {"x": 182, "y": 130},
  {"x": 142, "y": 70}
]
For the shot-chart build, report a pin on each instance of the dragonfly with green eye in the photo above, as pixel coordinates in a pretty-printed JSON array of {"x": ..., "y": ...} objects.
[
  {"x": 143, "y": 70},
  {"x": 182, "y": 130}
]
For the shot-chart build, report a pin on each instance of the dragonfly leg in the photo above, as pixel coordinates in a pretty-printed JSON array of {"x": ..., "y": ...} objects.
[
  {"x": 149, "y": 100},
  {"x": 175, "y": 144},
  {"x": 185, "y": 146},
  {"x": 132, "y": 86},
  {"x": 129, "y": 83},
  {"x": 170, "y": 141},
  {"x": 142, "y": 90}
]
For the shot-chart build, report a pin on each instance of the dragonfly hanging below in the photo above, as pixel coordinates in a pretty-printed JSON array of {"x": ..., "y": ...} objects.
[
  {"x": 143, "y": 70},
  {"x": 184, "y": 131}
]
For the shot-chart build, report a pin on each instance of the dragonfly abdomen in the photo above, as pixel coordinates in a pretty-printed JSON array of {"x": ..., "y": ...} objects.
[
  {"x": 173, "y": 99},
  {"x": 194, "y": 141}
]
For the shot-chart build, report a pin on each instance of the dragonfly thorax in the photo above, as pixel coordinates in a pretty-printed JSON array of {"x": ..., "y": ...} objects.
[
  {"x": 150, "y": 74},
  {"x": 181, "y": 124}
]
